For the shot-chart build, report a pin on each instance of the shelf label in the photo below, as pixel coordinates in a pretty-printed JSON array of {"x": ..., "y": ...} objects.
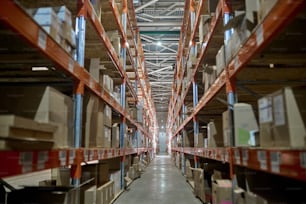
[
  {"x": 26, "y": 160},
  {"x": 85, "y": 153},
  {"x": 71, "y": 156},
  {"x": 62, "y": 157},
  {"x": 237, "y": 156},
  {"x": 245, "y": 157},
  {"x": 91, "y": 83},
  {"x": 236, "y": 62},
  {"x": 275, "y": 158},
  {"x": 91, "y": 155},
  {"x": 262, "y": 158},
  {"x": 303, "y": 159},
  {"x": 259, "y": 35},
  {"x": 42, "y": 159},
  {"x": 71, "y": 65},
  {"x": 42, "y": 39},
  {"x": 226, "y": 156},
  {"x": 93, "y": 12}
]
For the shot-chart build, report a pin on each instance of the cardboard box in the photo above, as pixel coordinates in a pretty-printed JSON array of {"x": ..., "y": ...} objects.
[
  {"x": 251, "y": 198},
  {"x": 239, "y": 196},
  {"x": 215, "y": 134},
  {"x": 115, "y": 136},
  {"x": 265, "y": 7},
  {"x": 105, "y": 193},
  {"x": 226, "y": 129},
  {"x": 282, "y": 117},
  {"x": 94, "y": 132},
  {"x": 200, "y": 142},
  {"x": 103, "y": 173},
  {"x": 90, "y": 195},
  {"x": 220, "y": 60},
  {"x": 116, "y": 177},
  {"x": 222, "y": 191},
  {"x": 63, "y": 14},
  {"x": 245, "y": 123},
  {"x": 199, "y": 189},
  {"x": 21, "y": 133},
  {"x": 61, "y": 176},
  {"x": 107, "y": 137},
  {"x": 42, "y": 104},
  {"x": 107, "y": 115},
  {"x": 204, "y": 27}
]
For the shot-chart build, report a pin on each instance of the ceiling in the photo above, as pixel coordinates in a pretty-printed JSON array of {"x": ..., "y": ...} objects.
[{"x": 159, "y": 23}]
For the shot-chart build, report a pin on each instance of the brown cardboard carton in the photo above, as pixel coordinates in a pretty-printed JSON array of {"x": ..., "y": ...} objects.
[
  {"x": 226, "y": 129},
  {"x": 215, "y": 134},
  {"x": 115, "y": 136},
  {"x": 90, "y": 195},
  {"x": 222, "y": 191},
  {"x": 282, "y": 118}
]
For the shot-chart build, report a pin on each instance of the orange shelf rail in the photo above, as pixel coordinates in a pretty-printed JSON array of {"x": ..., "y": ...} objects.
[
  {"x": 20, "y": 162},
  {"x": 289, "y": 163}
]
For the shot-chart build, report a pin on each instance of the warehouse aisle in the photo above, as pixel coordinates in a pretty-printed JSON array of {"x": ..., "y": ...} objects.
[{"x": 161, "y": 183}]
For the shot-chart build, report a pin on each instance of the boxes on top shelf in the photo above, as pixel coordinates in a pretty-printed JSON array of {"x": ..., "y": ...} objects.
[
  {"x": 64, "y": 14},
  {"x": 47, "y": 18},
  {"x": 282, "y": 117}
]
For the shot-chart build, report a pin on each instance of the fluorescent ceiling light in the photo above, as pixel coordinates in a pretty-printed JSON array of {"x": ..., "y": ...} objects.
[
  {"x": 40, "y": 68},
  {"x": 158, "y": 43}
]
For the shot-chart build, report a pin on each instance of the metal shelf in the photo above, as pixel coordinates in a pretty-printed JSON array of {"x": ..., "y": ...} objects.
[
  {"x": 20, "y": 162},
  {"x": 278, "y": 18},
  {"x": 107, "y": 43},
  {"x": 18, "y": 20},
  {"x": 279, "y": 161}
]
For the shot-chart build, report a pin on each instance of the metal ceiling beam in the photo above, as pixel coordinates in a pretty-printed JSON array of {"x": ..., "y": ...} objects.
[
  {"x": 145, "y": 5},
  {"x": 173, "y": 6},
  {"x": 144, "y": 19},
  {"x": 159, "y": 17},
  {"x": 158, "y": 70},
  {"x": 159, "y": 54},
  {"x": 161, "y": 82},
  {"x": 160, "y": 24}
]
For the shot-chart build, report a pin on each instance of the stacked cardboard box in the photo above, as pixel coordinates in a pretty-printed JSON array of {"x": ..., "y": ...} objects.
[
  {"x": 21, "y": 133},
  {"x": 44, "y": 105},
  {"x": 222, "y": 191},
  {"x": 282, "y": 118},
  {"x": 105, "y": 193},
  {"x": 199, "y": 187},
  {"x": 57, "y": 22}
]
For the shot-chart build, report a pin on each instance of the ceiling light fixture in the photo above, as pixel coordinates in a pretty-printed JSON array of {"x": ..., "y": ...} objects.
[{"x": 159, "y": 43}]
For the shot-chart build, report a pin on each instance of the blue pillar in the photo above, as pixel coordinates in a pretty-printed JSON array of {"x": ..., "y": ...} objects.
[
  {"x": 78, "y": 95},
  {"x": 195, "y": 121},
  {"x": 123, "y": 100}
]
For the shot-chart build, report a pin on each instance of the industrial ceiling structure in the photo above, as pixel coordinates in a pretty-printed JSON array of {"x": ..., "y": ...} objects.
[{"x": 159, "y": 23}]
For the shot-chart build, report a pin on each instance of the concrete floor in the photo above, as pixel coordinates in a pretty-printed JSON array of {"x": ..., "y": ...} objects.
[{"x": 161, "y": 183}]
